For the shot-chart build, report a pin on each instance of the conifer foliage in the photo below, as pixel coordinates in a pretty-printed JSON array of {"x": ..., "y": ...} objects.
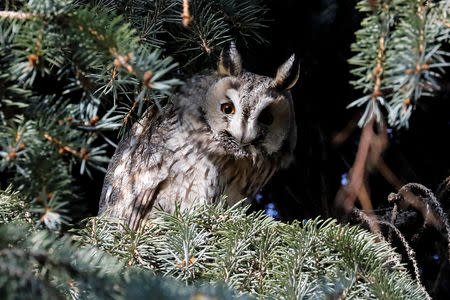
[
  {"x": 252, "y": 253},
  {"x": 400, "y": 56},
  {"x": 259, "y": 256}
]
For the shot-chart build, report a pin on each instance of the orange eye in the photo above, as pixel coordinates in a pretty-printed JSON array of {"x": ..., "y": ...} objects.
[{"x": 227, "y": 108}]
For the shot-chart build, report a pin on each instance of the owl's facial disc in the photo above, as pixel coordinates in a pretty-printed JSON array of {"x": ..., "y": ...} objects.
[{"x": 246, "y": 117}]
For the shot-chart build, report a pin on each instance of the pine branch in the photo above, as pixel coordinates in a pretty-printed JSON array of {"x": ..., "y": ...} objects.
[
  {"x": 257, "y": 255},
  {"x": 45, "y": 133},
  {"x": 371, "y": 60},
  {"x": 38, "y": 264},
  {"x": 408, "y": 60}
]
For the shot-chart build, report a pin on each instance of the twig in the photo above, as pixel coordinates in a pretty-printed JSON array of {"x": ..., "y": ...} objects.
[
  {"x": 15, "y": 149},
  {"x": 379, "y": 68},
  {"x": 409, "y": 251},
  {"x": 366, "y": 205},
  {"x": 387, "y": 173},
  {"x": 340, "y": 137},
  {"x": 347, "y": 197},
  {"x": 394, "y": 215},
  {"x": 128, "y": 115},
  {"x": 64, "y": 148},
  {"x": 370, "y": 220},
  {"x": 186, "y": 16},
  {"x": 205, "y": 45},
  {"x": 426, "y": 203}
]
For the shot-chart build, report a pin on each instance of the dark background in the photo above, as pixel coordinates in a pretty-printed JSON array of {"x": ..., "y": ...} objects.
[{"x": 320, "y": 33}]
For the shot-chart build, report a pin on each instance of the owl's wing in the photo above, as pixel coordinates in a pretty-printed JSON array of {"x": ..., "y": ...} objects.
[{"x": 137, "y": 170}]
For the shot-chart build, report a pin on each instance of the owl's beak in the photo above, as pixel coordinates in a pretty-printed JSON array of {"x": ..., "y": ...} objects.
[
  {"x": 245, "y": 140},
  {"x": 248, "y": 134}
]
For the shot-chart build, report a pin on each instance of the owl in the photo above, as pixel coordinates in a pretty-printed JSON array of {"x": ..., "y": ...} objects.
[{"x": 225, "y": 133}]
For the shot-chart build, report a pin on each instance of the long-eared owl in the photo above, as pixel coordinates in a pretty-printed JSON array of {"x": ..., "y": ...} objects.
[{"x": 226, "y": 132}]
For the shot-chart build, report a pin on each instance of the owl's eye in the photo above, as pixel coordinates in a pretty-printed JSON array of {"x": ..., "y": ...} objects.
[
  {"x": 265, "y": 117},
  {"x": 227, "y": 108}
]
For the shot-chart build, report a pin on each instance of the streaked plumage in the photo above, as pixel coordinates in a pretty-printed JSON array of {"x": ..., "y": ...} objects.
[{"x": 223, "y": 133}]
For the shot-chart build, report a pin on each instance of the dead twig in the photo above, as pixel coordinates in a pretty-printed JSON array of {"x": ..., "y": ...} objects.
[{"x": 423, "y": 200}]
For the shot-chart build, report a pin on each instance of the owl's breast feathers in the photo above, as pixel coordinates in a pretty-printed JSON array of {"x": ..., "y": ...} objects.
[{"x": 162, "y": 161}]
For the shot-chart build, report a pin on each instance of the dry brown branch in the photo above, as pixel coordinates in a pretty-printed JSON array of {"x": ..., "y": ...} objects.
[
  {"x": 387, "y": 173},
  {"x": 346, "y": 196},
  {"x": 394, "y": 215},
  {"x": 205, "y": 46},
  {"x": 370, "y": 220},
  {"x": 423, "y": 199},
  {"x": 369, "y": 156},
  {"x": 409, "y": 251},
  {"x": 378, "y": 144},
  {"x": 379, "y": 68},
  {"x": 64, "y": 148},
  {"x": 340, "y": 137},
  {"x": 443, "y": 190},
  {"x": 128, "y": 115},
  {"x": 366, "y": 205}
]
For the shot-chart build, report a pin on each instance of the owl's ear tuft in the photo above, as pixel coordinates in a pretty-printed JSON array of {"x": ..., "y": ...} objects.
[
  {"x": 230, "y": 63},
  {"x": 287, "y": 74}
]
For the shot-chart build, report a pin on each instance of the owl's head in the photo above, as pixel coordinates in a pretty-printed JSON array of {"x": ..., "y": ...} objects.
[
  {"x": 248, "y": 114},
  {"x": 245, "y": 115}
]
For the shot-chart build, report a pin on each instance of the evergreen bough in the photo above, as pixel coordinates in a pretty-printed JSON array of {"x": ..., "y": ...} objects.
[
  {"x": 257, "y": 255},
  {"x": 400, "y": 56},
  {"x": 36, "y": 263},
  {"x": 252, "y": 253}
]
